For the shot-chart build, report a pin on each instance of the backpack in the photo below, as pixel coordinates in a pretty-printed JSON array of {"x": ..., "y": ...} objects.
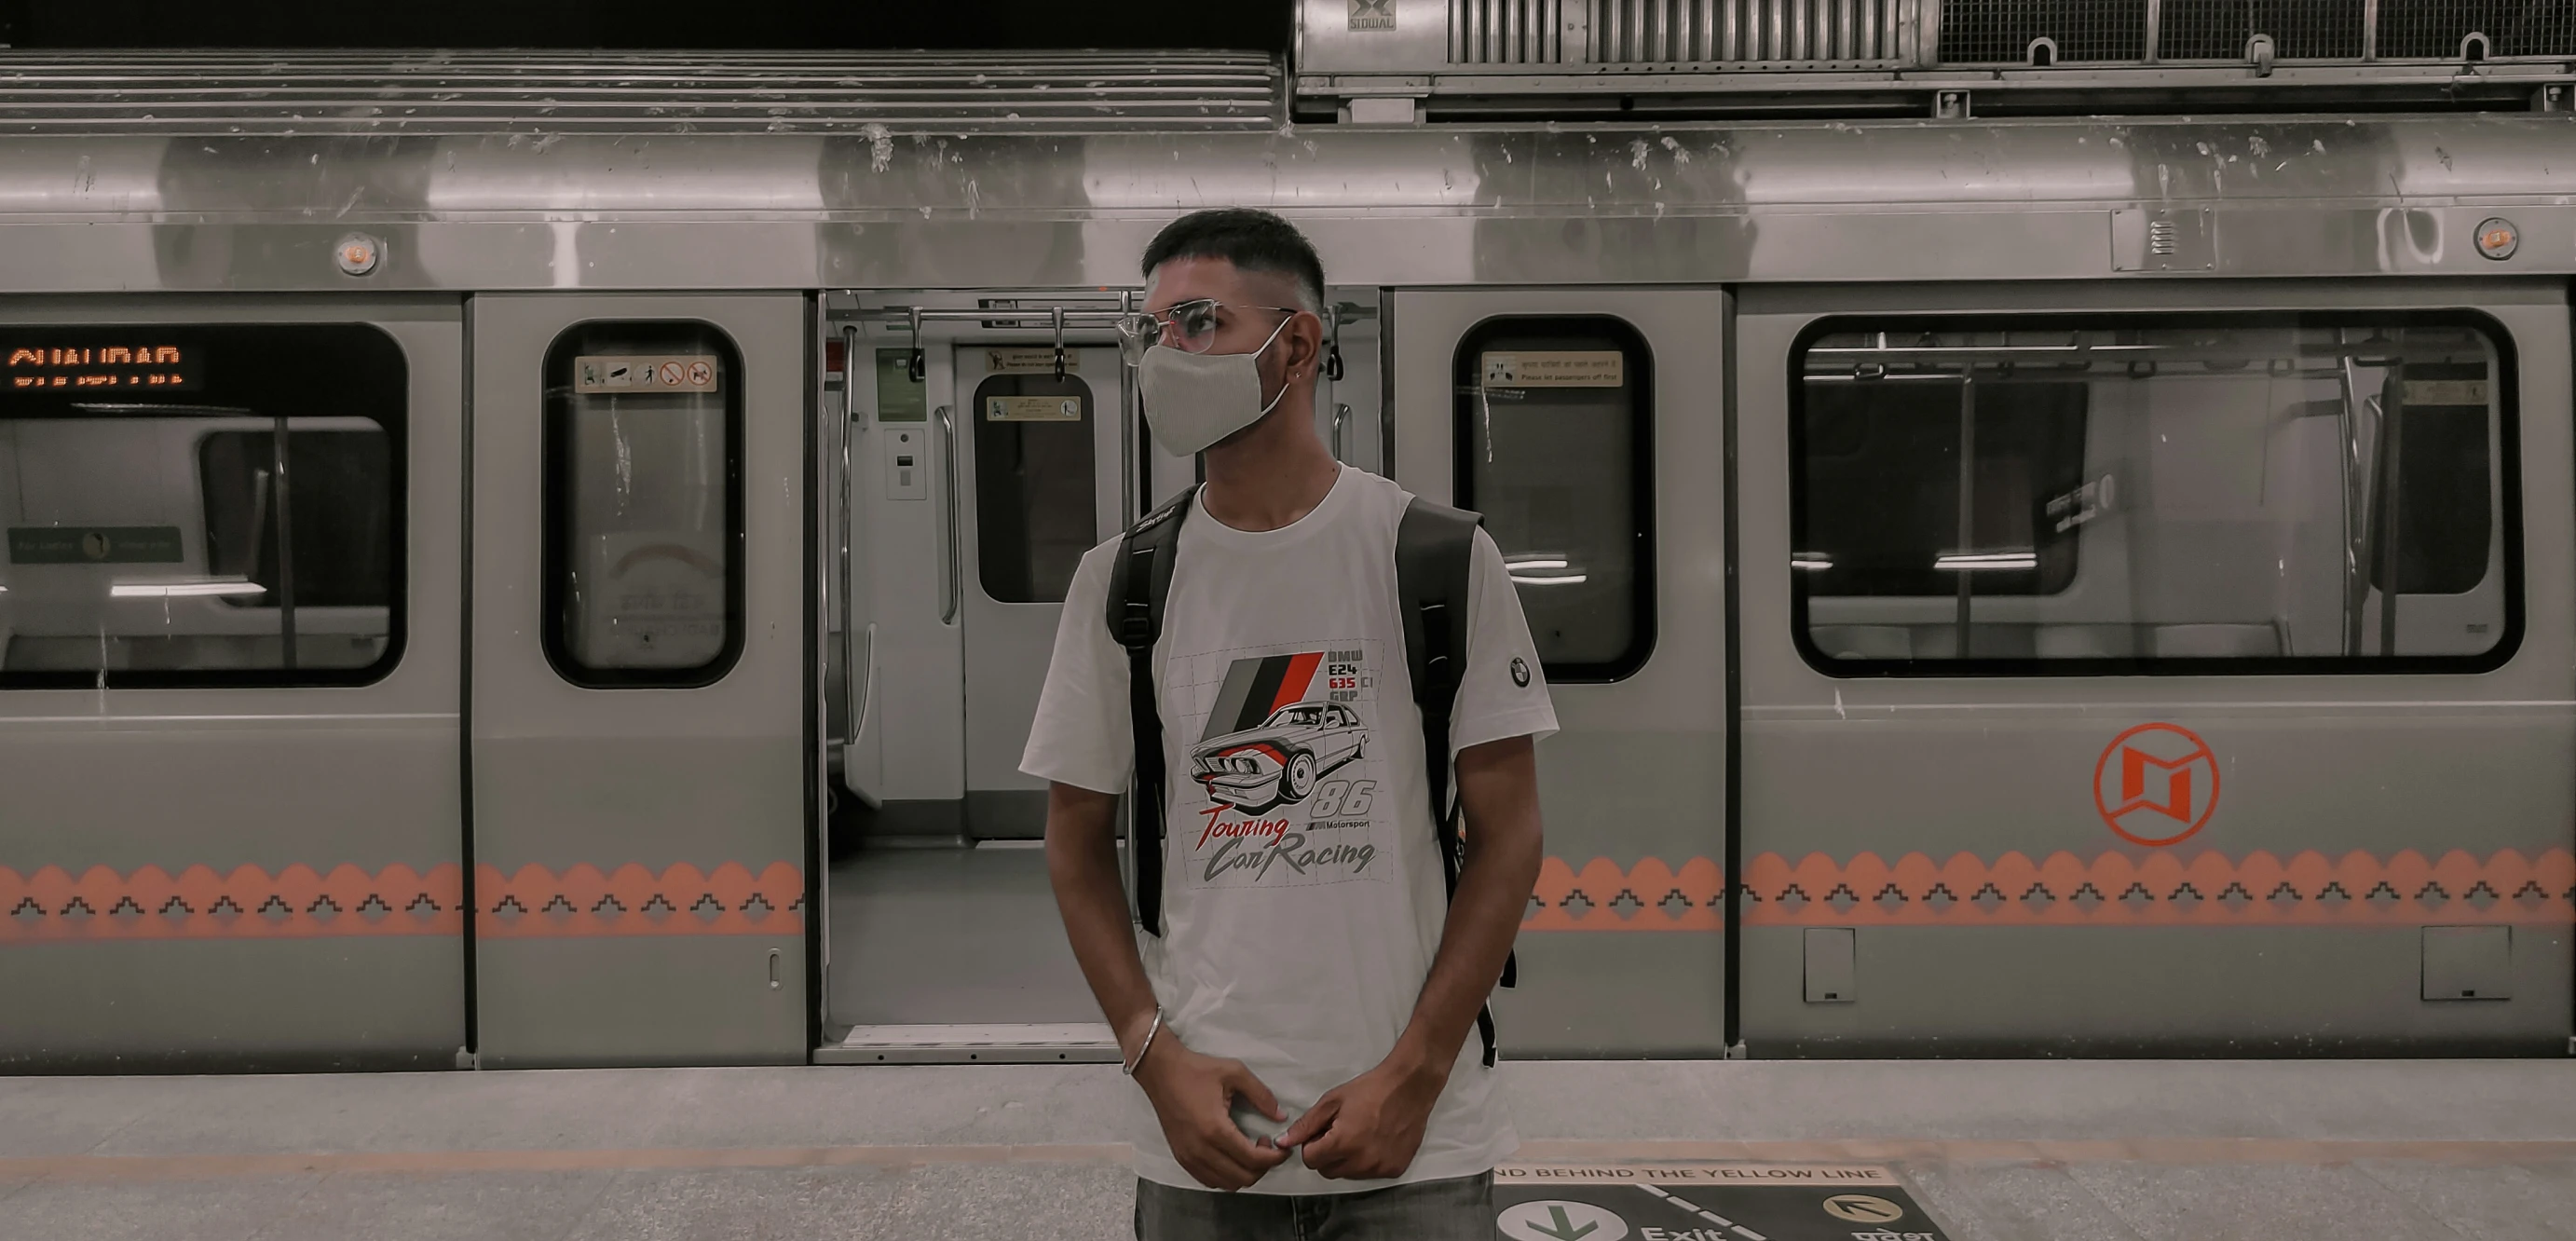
[{"x": 1433, "y": 546}]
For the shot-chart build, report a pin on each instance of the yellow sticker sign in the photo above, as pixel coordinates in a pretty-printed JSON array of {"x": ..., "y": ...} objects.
[
  {"x": 1556, "y": 368},
  {"x": 1029, "y": 361},
  {"x": 1032, "y": 409}
]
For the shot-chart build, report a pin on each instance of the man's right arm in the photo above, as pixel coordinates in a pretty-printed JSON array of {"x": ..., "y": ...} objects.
[{"x": 1193, "y": 1095}]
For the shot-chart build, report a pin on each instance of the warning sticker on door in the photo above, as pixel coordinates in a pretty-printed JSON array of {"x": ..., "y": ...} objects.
[
  {"x": 1032, "y": 409},
  {"x": 1707, "y": 1202},
  {"x": 1559, "y": 368},
  {"x": 659, "y": 372}
]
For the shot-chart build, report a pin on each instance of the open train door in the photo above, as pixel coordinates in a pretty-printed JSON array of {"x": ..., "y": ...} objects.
[
  {"x": 1587, "y": 426},
  {"x": 638, "y": 707}
]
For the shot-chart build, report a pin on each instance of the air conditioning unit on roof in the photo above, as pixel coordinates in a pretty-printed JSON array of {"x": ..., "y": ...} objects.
[{"x": 1470, "y": 58}]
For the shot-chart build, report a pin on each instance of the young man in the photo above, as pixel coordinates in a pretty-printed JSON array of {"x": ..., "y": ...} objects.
[{"x": 1304, "y": 1027}]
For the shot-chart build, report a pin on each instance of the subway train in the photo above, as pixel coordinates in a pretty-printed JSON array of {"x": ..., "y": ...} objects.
[{"x": 524, "y": 559}]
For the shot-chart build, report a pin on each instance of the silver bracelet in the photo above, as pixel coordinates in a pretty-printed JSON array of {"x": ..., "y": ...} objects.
[{"x": 1129, "y": 1068}]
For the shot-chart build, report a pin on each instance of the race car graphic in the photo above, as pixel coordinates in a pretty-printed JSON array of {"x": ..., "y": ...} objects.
[
  {"x": 1264, "y": 743},
  {"x": 1281, "y": 760}
]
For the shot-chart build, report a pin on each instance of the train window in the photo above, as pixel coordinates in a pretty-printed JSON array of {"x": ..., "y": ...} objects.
[
  {"x": 1033, "y": 484},
  {"x": 2171, "y": 494},
  {"x": 201, "y": 506},
  {"x": 1554, "y": 424},
  {"x": 644, "y": 530}
]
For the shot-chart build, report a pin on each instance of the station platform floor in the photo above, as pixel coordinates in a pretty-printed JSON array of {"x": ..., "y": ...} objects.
[{"x": 2007, "y": 1151}]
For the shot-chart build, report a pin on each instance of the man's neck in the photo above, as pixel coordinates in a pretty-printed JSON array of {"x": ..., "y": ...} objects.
[{"x": 1272, "y": 477}]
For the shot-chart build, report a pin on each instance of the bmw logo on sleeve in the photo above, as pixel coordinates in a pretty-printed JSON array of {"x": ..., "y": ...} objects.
[{"x": 1520, "y": 672}]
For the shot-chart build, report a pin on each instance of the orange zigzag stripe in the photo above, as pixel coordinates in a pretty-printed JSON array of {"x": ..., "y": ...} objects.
[
  {"x": 245, "y": 903},
  {"x": 52, "y": 905},
  {"x": 537, "y": 903},
  {"x": 2110, "y": 889}
]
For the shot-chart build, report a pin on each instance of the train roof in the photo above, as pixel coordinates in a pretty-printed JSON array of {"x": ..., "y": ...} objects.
[{"x": 495, "y": 171}]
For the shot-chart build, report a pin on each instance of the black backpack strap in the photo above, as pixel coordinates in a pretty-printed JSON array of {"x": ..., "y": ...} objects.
[
  {"x": 1434, "y": 547},
  {"x": 1139, "y": 582}
]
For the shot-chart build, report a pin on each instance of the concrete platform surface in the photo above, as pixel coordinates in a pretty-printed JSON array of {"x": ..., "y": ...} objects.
[{"x": 2018, "y": 1151}]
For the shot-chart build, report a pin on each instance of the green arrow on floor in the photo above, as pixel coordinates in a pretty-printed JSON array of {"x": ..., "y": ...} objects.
[{"x": 1565, "y": 1229}]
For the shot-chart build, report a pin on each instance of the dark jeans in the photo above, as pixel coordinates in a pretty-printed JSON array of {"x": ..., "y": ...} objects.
[{"x": 1461, "y": 1209}]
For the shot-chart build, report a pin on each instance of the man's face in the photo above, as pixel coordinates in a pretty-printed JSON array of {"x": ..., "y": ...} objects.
[{"x": 1241, "y": 324}]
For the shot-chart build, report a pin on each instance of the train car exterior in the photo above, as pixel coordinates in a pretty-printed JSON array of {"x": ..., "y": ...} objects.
[{"x": 2011, "y": 586}]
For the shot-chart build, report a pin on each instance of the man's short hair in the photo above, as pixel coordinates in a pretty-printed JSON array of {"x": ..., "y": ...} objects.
[{"x": 1254, "y": 241}]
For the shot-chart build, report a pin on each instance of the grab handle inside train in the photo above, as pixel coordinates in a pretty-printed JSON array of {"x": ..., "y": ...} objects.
[{"x": 951, "y": 591}]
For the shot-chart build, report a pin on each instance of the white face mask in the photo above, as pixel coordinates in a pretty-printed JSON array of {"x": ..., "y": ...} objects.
[{"x": 1193, "y": 400}]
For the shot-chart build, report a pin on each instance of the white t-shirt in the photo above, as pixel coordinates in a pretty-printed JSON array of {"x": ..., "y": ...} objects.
[{"x": 1302, "y": 894}]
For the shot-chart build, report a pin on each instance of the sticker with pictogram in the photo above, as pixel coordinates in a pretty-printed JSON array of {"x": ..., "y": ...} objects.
[{"x": 2156, "y": 784}]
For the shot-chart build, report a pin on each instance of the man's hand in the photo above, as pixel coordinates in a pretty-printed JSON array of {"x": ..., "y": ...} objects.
[
  {"x": 1369, "y": 1127},
  {"x": 1193, "y": 1097}
]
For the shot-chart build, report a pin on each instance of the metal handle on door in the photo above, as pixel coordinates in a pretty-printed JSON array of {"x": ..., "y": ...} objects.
[
  {"x": 950, "y": 553},
  {"x": 1341, "y": 423},
  {"x": 847, "y": 532}
]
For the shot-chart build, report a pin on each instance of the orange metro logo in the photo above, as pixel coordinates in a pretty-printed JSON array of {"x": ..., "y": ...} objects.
[{"x": 2156, "y": 784}]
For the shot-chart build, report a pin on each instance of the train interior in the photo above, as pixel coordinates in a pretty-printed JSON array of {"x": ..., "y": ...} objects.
[{"x": 990, "y": 444}]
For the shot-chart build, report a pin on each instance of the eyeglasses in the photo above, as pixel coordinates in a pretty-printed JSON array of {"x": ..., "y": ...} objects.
[{"x": 1189, "y": 327}]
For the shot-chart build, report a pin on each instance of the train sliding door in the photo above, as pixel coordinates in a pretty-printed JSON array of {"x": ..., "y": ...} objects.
[
  {"x": 981, "y": 469},
  {"x": 638, "y": 712},
  {"x": 1037, "y": 466},
  {"x": 2156, "y": 669},
  {"x": 1587, "y": 426},
  {"x": 228, "y": 684}
]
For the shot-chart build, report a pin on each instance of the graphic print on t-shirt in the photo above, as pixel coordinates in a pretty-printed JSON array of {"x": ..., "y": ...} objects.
[{"x": 1283, "y": 774}]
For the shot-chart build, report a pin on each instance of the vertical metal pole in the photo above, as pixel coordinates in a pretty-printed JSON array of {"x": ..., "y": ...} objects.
[
  {"x": 1967, "y": 500},
  {"x": 2392, "y": 437},
  {"x": 2155, "y": 32},
  {"x": 2349, "y": 473},
  {"x": 285, "y": 545},
  {"x": 2369, "y": 30},
  {"x": 1129, "y": 465}
]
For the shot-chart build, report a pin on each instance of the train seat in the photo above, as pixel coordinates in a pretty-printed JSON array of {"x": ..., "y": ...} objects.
[
  {"x": 2205, "y": 641},
  {"x": 1990, "y": 641},
  {"x": 1863, "y": 641},
  {"x": 2083, "y": 641}
]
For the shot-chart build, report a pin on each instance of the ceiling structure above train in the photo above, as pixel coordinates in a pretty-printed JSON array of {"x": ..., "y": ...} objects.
[
  {"x": 1401, "y": 61},
  {"x": 304, "y": 93}
]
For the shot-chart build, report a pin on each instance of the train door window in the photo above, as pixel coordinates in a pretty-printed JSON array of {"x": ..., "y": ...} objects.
[
  {"x": 2154, "y": 494},
  {"x": 201, "y": 505},
  {"x": 644, "y": 530},
  {"x": 1554, "y": 426},
  {"x": 1034, "y": 486}
]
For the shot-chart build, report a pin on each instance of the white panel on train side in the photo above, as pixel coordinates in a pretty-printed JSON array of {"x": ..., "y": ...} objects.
[
  {"x": 909, "y": 757},
  {"x": 639, "y": 825},
  {"x": 2243, "y": 854},
  {"x": 1624, "y": 953}
]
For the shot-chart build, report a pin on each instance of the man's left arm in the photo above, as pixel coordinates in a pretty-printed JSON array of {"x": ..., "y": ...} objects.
[{"x": 1369, "y": 1127}]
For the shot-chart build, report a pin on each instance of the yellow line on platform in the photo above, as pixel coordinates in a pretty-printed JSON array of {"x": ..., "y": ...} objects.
[{"x": 2297, "y": 1151}]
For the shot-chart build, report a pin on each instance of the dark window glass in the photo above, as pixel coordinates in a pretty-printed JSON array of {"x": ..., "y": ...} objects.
[
  {"x": 643, "y": 547},
  {"x": 201, "y": 505},
  {"x": 1884, "y": 485},
  {"x": 1034, "y": 486},
  {"x": 2154, "y": 494},
  {"x": 342, "y": 554},
  {"x": 1555, "y": 448}
]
